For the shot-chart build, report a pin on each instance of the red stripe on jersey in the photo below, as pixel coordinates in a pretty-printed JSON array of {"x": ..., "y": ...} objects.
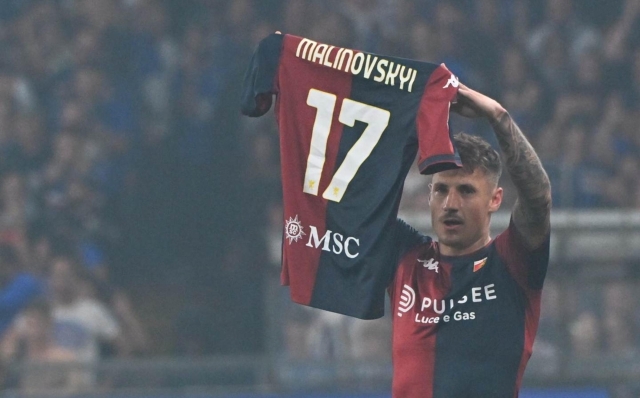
[
  {"x": 530, "y": 329},
  {"x": 511, "y": 247},
  {"x": 414, "y": 359},
  {"x": 296, "y": 77},
  {"x": 433, "y": 116}
]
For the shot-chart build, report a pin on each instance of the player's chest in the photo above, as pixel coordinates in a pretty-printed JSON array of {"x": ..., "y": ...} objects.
[{"x": 431, "y": 291}]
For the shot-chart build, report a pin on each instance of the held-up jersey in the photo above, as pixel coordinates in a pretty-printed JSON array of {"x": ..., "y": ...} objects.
[
  {"x": 350, "y": 126},
  {"x": 464, "y": 326}
]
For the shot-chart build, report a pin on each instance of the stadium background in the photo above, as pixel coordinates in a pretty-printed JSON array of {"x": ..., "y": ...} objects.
[{"x": 122, "y": 146}]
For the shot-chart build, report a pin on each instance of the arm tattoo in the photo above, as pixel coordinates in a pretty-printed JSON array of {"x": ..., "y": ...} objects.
[{"x": 533, "y": 206}]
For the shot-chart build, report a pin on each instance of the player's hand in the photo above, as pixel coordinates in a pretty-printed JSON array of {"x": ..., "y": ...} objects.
[{"x": 473, "y": 104}]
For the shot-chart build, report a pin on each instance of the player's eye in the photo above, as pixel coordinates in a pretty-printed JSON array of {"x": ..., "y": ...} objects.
[
  {"x": 440, "y": 189},
  {"x": 467, "y": 190}
]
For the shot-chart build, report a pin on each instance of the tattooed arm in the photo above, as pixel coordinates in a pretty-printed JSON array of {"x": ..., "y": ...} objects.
[
  {"x": 531, "y": 213},
  {"x": 532, "y": 210}
]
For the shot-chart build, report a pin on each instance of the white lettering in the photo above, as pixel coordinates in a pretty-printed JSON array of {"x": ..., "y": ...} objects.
[
  {"x": 403, "y": 78},
  {"x": 476, "y": 294},
  {"x": 435, "y": 306},
  {"x": 305, "y": 44},
  {"x": 490, "y": 293},
  {"x": 381, "y": 71},
  {"x": 427, "y": 319},
  {"x": 337, "y": 241},
  {"x": 413, "y": 78},
  {"x": 441, "y": 306},
  {"x": 356, "y": 69},
  {"x": 355, "y": 62},
  {"x": 368, "y": 68},
  {"x": 318, "y": 55},
  {"x": 342, "y": 57},
  {"x": 391, "y": 76},
  {"x": 313, "y": 236},
  {"x": 346, "y": 247},
  {"x": 337, "y": 58},
  {"x": 426, "y": 302},
  {"x": 326, "y": 61},
  {"x": 464, "y": 316}
]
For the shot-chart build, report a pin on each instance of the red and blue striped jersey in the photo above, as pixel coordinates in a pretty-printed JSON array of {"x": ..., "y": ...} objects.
[
  {"x": 464, "y": 326},
  {"x": 351, "y": 124}
]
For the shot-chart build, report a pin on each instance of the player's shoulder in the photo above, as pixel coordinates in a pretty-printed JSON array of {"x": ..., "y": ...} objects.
[
  {"x": 408, "y": 237},
  {"x": 424, "y": 248}
]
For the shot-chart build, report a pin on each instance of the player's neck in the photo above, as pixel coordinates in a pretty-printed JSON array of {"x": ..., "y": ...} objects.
[{"x": 454, "y": 251}]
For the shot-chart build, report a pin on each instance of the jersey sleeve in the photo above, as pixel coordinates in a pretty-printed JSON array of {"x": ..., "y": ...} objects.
[
  {"x": 259, "y": 79},
  {"x": 436, "y": 151},
  {"x": 408, "y": 237},
  {"x": 527, "y": 266}
]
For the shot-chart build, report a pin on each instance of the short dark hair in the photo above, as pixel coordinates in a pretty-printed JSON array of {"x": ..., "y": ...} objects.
[{"x": 476, "y": 153}]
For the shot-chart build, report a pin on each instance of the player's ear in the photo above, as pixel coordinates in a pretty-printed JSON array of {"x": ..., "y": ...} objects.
[
  {"x": 430, "y": 189},
  {"x": 496, "y": 199}
]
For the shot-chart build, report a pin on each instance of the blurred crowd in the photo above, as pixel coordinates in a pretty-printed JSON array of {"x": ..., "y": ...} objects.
[{"x": 125, "y": 164}]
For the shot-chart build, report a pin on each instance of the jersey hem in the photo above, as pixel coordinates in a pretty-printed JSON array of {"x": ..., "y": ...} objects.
[{"x": 438, "y": 163}]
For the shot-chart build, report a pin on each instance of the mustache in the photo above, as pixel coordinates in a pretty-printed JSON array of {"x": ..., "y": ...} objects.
[{"x": 450, "y": 217}]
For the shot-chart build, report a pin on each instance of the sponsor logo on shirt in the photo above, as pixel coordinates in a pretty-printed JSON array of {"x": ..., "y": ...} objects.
[
  {"x": 293, "y": 229},
  {"x": 407, "y": 299},
  {"x": 334, "y": 242},
  {"x": 331, "y": 241},
  {"x": 445, "y": 309},
  {"x": 479, "y": 264},
  {"x": 430, "y": 264},
  {"x": 453, "y": 81}
]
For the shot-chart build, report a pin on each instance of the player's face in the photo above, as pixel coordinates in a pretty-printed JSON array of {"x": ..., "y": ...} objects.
[{"x": 461, "y": 207}]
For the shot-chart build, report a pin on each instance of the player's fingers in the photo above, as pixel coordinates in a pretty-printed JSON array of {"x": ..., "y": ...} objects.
[
  {"x": 461, "y": 108},
  {"x": 464, "y": 91},
  {"x": 464, "y": 94}
]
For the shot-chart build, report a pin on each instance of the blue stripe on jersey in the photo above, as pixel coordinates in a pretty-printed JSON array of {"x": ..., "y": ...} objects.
[
  {"x": 495, "y": 336},
  {"x": 259, "y": 77},
  {"x": 369, "y": 207}
]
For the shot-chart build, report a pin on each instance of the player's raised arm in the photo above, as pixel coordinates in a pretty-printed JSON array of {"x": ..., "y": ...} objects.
[{"x": 533, "y": 206}]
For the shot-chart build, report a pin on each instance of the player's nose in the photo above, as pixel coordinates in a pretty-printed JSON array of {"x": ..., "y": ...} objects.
[{"x": 451, "y": 202}]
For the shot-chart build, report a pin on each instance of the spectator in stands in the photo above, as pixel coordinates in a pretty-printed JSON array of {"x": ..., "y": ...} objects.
[
  {"x": 521, "y": 92},
  {"x": 562, "y": 23},
  {"x": 328, "y": 337},
  {"x": 550, "y": 340},
  {"x": 81, "y": 323},
  {"x": 99, "y": 287},
  {"x": 368, "y": 340},
  {"x": 586, "y": 336},
  {"x": 296, "y": 333},
  {"x": 18, "y": 286},
  {"x": 620, "y": 319},
  {"x": 31, "y": 343}
]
